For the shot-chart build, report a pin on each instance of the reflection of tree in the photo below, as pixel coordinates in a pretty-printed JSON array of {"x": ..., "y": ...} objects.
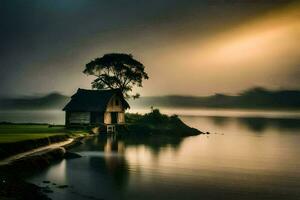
[
  {"x": 288, "y": 123},
  {"x": 258, "y": 124},
  {"x": 254, "y": 124},
  {"x": 220, "y": 121}
]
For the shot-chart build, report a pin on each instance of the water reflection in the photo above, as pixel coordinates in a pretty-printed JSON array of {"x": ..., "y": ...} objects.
[
  {"x": 253, "y": 158},
  {"x": 255, "y": 124},
  {"x": 118, "y": 143},
  {"x": 108, "y": 154},
  {"x": 220, "y": 121},
  {"x": 260, "y": 124},
  {"x": 115, "y": 167},
  {"x": 113, "y": 162}
]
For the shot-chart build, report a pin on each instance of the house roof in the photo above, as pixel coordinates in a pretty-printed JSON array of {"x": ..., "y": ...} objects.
[{"x": 93, "y": 100}]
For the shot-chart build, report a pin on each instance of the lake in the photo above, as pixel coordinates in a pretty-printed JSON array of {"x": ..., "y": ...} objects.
[{"x": 247, "y": 155}]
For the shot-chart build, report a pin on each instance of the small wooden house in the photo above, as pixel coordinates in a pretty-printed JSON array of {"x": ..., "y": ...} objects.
[{"x": 96, "y": 107}]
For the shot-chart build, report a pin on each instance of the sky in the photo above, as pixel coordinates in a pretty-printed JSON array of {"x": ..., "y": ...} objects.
[{"x": 188, "y": 47}]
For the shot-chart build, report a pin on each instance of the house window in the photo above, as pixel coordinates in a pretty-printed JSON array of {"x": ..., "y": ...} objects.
[{"x": 117, "y": 102}]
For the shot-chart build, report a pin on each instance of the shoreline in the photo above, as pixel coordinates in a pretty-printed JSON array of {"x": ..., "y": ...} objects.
[
  {"x": 47, "y": 153},
  {"x": 39, "y": 151},
  {"x": 12, "y": 185}
]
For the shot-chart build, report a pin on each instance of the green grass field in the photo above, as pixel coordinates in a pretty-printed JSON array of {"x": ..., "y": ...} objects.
[{"x": 14, "y": 132}]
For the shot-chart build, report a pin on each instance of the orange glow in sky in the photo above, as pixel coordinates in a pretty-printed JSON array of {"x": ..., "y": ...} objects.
[{"x": 260, "y": 52}]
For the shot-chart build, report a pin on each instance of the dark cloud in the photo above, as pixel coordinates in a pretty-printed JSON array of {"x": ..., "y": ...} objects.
[{"x": 45, "y": 43}]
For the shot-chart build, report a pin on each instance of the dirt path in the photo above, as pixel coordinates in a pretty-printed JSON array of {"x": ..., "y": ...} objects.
[{"x": 36, "y": 151}]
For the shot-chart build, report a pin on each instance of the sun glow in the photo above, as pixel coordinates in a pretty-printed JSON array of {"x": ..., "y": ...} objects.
[
  {"x": 264, "y": 50},
  {"x": 265, "y": 42}
]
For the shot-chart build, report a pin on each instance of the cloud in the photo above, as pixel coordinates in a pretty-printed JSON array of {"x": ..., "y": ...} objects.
[
  {"x": 263, "y": 51},
  {"x": 206, "y": 46}
]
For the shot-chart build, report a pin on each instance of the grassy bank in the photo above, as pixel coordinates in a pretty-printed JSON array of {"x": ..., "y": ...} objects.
[
  {"x": 19, "y": 132},
  {"x": 11, "y": 133},
  {"x": 18, "y": 138}
]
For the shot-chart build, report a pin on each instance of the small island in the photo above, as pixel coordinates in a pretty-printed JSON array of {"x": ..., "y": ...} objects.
[{"x": 156, "y": 124}]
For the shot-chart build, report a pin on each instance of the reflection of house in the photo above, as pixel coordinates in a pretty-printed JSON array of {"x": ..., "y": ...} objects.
[{"x": 93, "y": 107}]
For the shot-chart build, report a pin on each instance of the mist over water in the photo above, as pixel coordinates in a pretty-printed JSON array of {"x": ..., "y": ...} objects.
[{"x": 58, "y": 116}]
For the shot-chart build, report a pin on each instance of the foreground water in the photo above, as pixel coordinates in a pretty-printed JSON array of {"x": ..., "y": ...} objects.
[{"x": 246, "y": 156}]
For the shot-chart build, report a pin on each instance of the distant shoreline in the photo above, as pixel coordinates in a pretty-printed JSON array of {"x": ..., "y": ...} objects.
[
  {"x": 252, "y": 99},
  {"x": 57, "y": 117}
]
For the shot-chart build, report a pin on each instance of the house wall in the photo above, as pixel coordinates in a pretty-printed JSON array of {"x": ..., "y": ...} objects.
[
  {"x": 121, "y": 117},
  {"x": 115, "y": 104},
  {"x": 79, "y": 117},
  {"x": 97, "y": 117},
  {"x": 107, "y": 118},
  {"x": 67, "y": 116}
]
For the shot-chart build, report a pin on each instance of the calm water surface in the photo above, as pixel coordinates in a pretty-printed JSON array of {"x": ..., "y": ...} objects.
[{"x": 245, "y": 157}]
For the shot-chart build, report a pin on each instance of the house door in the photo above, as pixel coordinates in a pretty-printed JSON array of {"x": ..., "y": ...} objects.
[{"x": 114, "y": 117}]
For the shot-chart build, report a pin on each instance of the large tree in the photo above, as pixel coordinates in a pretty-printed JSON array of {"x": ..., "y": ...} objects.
[{"x": 117, "y": 71}]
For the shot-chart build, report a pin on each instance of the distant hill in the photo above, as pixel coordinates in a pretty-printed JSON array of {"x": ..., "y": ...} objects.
[
  {"x": 255, "y": 98},
  {"x": 50, "y": 101}
]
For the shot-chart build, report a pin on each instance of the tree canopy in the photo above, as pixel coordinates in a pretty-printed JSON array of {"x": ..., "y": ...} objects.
[{"x": 117, "y": 71}]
